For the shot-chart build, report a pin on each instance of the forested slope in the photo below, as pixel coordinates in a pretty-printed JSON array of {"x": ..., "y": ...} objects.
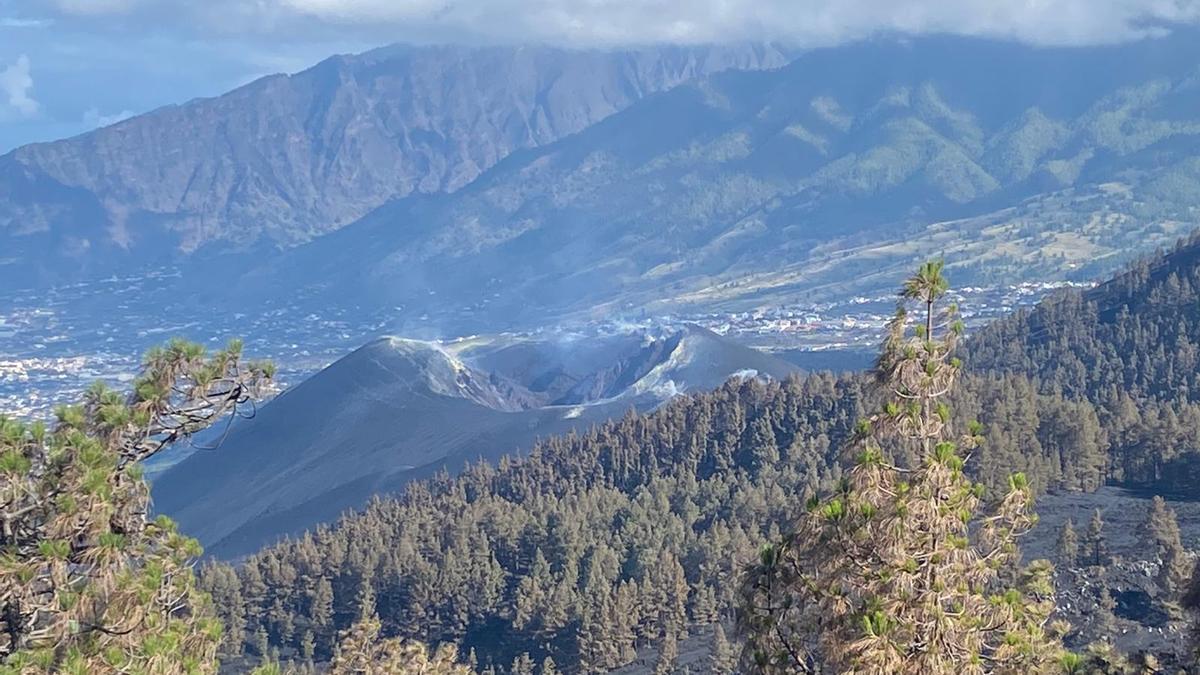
[
  {"x": 601, "y": 543},
  {"x": 1131, "y": 347},
  {"x": 598, "y": 542}
]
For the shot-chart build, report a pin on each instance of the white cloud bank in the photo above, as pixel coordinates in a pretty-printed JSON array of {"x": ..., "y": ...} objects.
[
  {"x": 605, "y": 22},
  {"x": 94, "y": 119},
  {"x": 16, "y": 85}
]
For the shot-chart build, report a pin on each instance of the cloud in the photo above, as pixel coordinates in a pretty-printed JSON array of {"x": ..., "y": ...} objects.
[
  {"x": 15, "y": 85},
  {"x": 602, "y": 22},
  {"x": 98, "y": 7},
  {"x": 18, "y": 22},
  {"x": 94, "y": 119}
]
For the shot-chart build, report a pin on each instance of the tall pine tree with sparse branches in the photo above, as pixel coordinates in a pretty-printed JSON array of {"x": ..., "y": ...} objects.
[{"x": 895, "y": 572}]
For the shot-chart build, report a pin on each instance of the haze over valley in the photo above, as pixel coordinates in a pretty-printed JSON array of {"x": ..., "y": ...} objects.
[
  {"x": 571, "y": 337},
  {"x": 55, "y": 343},
  {"x": 792, "y": 189}
]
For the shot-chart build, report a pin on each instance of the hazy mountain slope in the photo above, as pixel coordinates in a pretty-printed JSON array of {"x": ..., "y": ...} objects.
[
  {"x": 396, "y": 410},
  {"x": 746, "y": 186},
  {"x": 288, "y": 157}
]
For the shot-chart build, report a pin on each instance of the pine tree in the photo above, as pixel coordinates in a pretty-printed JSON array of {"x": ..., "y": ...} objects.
[
  {"x": 1161, "y": 536},
  {"x": 548, "y": 667},
  {"x": 557, "y": 612},
  {"x": 1105, "y": 620},
  {"x": 722, "y": 658},
  {"x": 262, "y": 644},
  {"x": 532, "y": 592},
  {"x": 1159, "y": 528},
  {"x": 705, "y": 610},
  {"x": 1068, "y": 545},
  {"x": 365, "y": 597},
  {"x": 887, "y": 575},
  {"x": 652, "y": 604},
  {"x": 1173, "y": 575},
  {"x": 361, "y": 651},
  {"x": 321, "y": 614},
  {"x": 280, "y": 621},
  {"x": 222, "y": 583},
  {"x": 308, "y": 646},
  {"x": 79, "y": 552},
  {"x": 763, "y": 444},
  {"x": 668, "y": 653},
  {"x": 597, "y": 651},
  {"x": 1095, "y": 546},
  {"x": 254, "y": 594},
  {"x": 522, "y": 665},
  {"x": 623, "y": 622},
  {"x": 675, "y": 585}
]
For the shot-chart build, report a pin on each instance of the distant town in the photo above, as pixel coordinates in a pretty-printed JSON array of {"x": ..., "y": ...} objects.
[
  {"x": 857, "y": 323},
  {"x": 54, "y": 344}
]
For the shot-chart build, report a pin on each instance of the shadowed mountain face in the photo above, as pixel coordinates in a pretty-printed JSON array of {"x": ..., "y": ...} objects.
[
  {"x": 286, "y": 158},
  {"x": 829, "y": 176},
  {"x": 396, "y": 410}
]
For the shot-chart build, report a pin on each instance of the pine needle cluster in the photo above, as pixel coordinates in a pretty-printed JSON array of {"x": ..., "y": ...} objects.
[{"x": 89, "y": 584}]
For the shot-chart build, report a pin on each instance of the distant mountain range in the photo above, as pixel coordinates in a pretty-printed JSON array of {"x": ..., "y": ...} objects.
[
  {"x": 289, "y": 157},
  {"x": 513, "y": 186},
  {"x": 397, "y": 410},
  {"x": 825, "y": 178}
]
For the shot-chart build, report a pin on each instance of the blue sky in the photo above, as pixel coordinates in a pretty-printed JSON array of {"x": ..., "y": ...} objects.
[
  {"x": 68, "y": 66},
  {"x": 61, "y": 75}
]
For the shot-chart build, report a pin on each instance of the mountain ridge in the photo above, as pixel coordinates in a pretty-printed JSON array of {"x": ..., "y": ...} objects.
[
  {"x": 1062, "y": 165},
  {"x": 288, "y": 157}
]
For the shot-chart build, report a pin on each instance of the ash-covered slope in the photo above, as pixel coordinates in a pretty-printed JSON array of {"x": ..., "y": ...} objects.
[
  {"x": 396, "y": 410},
  {"x": 693, "y": 359},
  {"x": 570, "y": 369},
  {"x": 288, "y": 157},
  {"x": 357, "y": 427}
]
